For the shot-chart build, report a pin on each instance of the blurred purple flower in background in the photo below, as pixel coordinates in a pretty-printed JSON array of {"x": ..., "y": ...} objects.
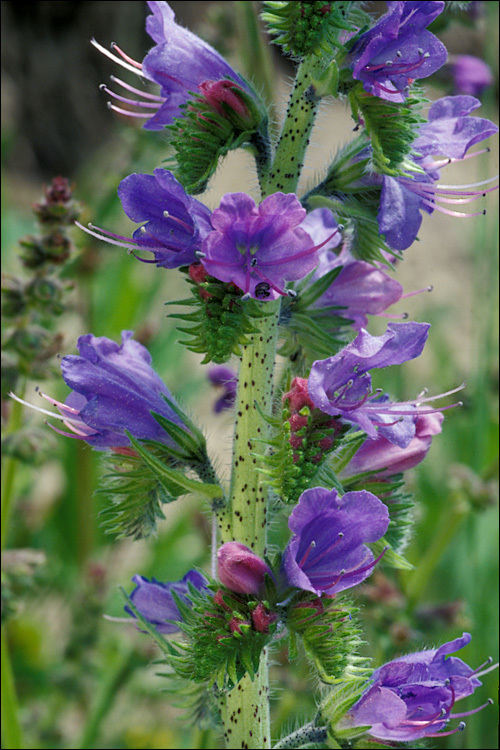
[
  {"x": 223, "y": 377},
  {"x": 471, "y": 75},
  {"x": 154, "y": 601}
]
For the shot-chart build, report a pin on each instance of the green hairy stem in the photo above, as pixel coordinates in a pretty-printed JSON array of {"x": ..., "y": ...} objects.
[{"x": 245, "y": 709}]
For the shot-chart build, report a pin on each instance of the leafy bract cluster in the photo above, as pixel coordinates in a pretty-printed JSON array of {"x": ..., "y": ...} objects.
[
  {"x": 304, "y": 28},
  {"x": 203, "y": 135},
  {"x": 221, "y": 322},
  {"x": 330, "y": 634}
]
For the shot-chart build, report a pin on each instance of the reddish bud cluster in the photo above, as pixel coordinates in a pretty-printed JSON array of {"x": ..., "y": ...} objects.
[
  {"x": 57, "y": 205},
  {"x": 308, "y": 424}
]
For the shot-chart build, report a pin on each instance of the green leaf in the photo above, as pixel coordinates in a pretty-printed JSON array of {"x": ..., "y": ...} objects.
[
  {"x": 330, "y": 634},
  {"x": 174, "y": 481}
]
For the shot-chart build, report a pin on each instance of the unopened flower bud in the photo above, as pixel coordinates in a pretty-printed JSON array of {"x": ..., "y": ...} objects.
[
  {"x": 262, "y": 618},
  {"x": 237, "y": 625},
  {"x": 233, "y": 103},
  {"x": 240, "y": 569},
  {"x": 298, "y": 395}
]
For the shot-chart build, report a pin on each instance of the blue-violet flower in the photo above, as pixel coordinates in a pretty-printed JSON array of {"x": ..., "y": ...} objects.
[
  {"x": 154, "y": 601},
  {"x": 114, "y": 389},
  {"x": 341, "y": 385},
  {"x": 176, "y": 223},
  {"x": 327, "y": 551},
  {"x": 385, "y": 458},
  {"x": 449, "y": 132},
  {"x": 397, "y": 50},
  {"x": 258, "y": 247},
  {"x": 181, "y": 64},
  {"x": 412, "y": 697}
]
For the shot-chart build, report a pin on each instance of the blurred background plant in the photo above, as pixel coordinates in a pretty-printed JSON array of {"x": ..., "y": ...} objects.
[{"x": 82, "y": 681}]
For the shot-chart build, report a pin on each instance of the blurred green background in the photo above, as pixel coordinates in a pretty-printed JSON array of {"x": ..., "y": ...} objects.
[{"x": 82, "y": 681}]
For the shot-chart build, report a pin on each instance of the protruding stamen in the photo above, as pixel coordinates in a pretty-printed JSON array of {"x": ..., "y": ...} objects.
[
  {"x": 460, "y": 728},
  {"x": 127, "y": 112},
  {"x": 125, "y": 100},
  {"x": 61, "y": 417},
  {"x": 417, "y": 291},
  {"x": 489, "y": 702},
  {"x": 134, "y": 90},
  {"x": 115, "y": 59},
  {"x": 306, "y": 555},
  {"x": 126, "y": 57},
  {"x": 199, "y": 254},
  {"x": 302, "y": 254}
]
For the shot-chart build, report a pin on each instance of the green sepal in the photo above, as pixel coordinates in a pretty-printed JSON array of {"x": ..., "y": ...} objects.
[
  {"x": 174, "y": 482},
  {"x": 351, "y": 443},
  {"x": 390, "y": 558},
  {"x": 191, "y": 449},
  {"x": 330, "y": 634},
  {"x": 337, "y": 703},
  {"x": 202, "y": 136},
  {"x": 308, "y": 28},
  {"x": 212, "y": 653},
  {"x": 391, "y": 128},
  {"x": 135, "y": 497},
  {"x": 309, "y": 333},
  {"x": 220, "y": 323}
]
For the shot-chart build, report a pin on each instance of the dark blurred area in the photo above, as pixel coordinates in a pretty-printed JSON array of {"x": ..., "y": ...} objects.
[{"x": 53, "y": 114}]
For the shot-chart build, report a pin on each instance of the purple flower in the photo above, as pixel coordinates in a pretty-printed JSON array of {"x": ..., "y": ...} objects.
[
  {"x": 154, "y": 601},
  {"x": 176, "y": 223},
  {"x": 385, "y": 458},
  {"x": 398, "y": 49},
  {"x": 220, "y": 375},
  {"x": 471, "y": 74},
  {"x": 449, "y": 132},
  {"x": 327, "y": 551},
  {"x": 360, "y": 288},
  {"x": 258, "y": 247},
  {"x": 412, "y": 697},
  {"x": 240, "y": 569},
  {"x": 341, "y": 385},
  {"x": 114, "y": 389},
  {"x": 181, "y": 64}
]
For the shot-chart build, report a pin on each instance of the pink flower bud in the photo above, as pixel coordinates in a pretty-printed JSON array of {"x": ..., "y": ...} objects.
[
  {"x": 298, "y": 395},
  {"x": 218, "y": 93},
  {"x": 240, "y": 569}
]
